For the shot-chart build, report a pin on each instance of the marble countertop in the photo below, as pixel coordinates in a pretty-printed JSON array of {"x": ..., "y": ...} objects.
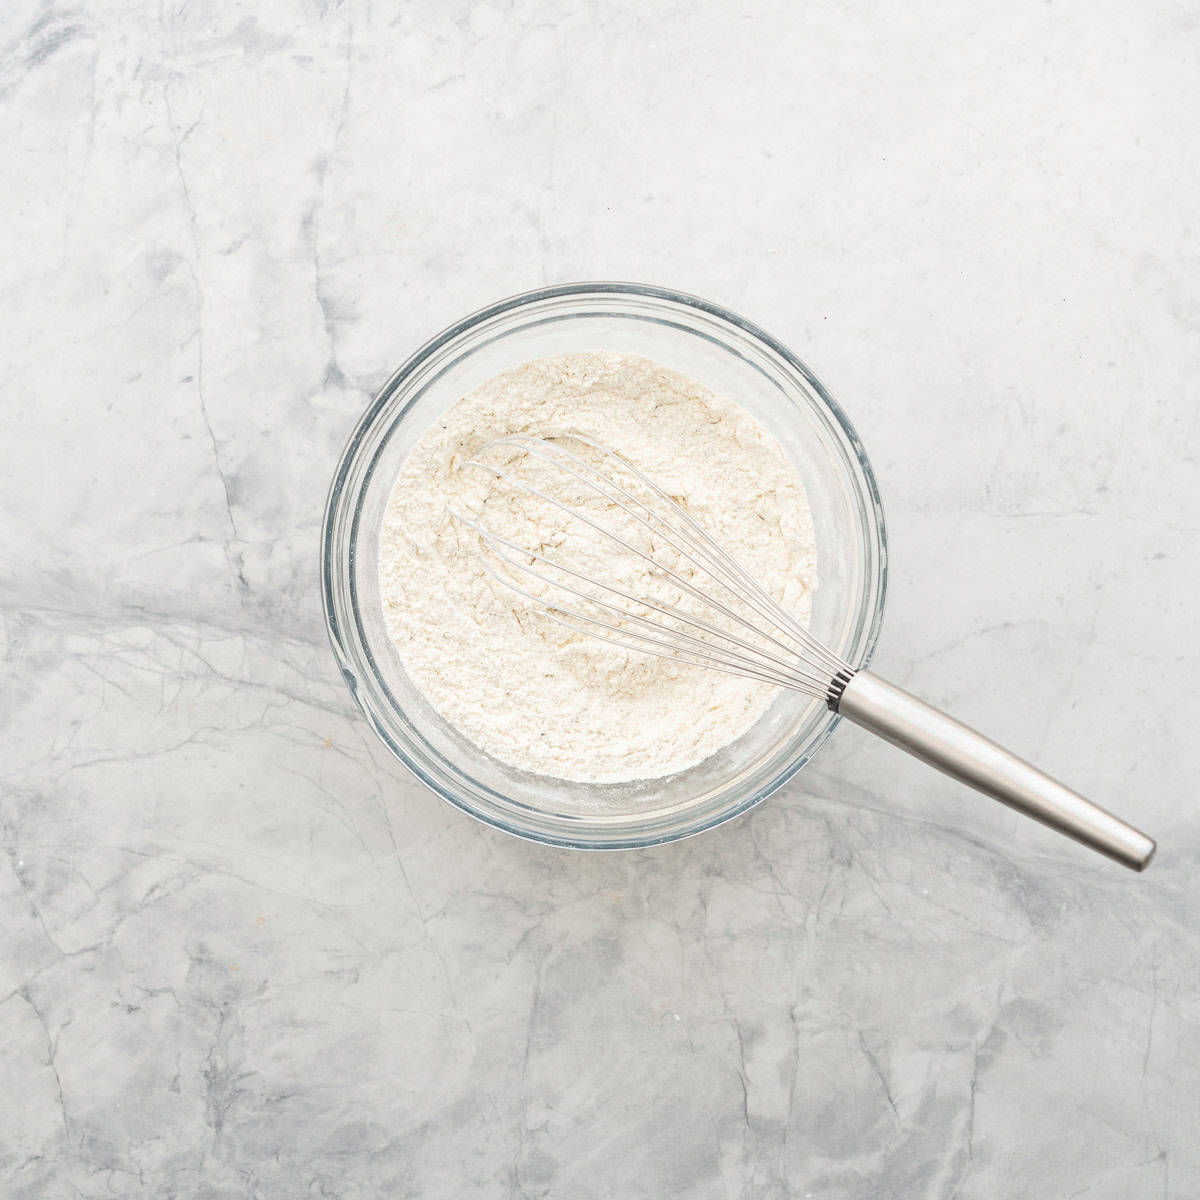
[{"x": 243, "y": 953}]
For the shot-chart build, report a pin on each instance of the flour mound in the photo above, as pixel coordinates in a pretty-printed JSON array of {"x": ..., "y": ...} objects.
[{"x": 530, "y": 692}]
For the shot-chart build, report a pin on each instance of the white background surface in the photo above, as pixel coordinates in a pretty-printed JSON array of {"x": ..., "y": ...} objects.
[{"x": 243, "y": 954}]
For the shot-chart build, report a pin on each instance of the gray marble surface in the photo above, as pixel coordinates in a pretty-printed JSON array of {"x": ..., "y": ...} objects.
[{"x": 243, "y": 954}]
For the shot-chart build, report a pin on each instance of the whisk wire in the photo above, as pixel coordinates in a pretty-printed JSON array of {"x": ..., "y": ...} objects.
[
  {"x": 800, "y": 663},
  {"x": 600, "y": 528},
  {"x": 744, "y": 584},
  {"x": 754, "y": 662},
  {"x": 701, "y": 548},
  {"x": 697, "y": 548}
]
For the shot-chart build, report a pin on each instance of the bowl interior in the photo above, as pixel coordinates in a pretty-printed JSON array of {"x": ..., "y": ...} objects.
[{"x": 734, "y": 360}]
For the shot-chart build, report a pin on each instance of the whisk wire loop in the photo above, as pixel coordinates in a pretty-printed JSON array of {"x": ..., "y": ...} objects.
[
  {"x": 745, "y": 659},
  {"x": 802, "y": 664},
  {"x": 699, "y": 546}
]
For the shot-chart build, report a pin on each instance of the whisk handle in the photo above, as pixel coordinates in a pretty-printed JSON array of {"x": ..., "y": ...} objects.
[{"x": 958, "y": 751}]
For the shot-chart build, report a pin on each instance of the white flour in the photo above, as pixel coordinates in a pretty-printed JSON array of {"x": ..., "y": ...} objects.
[{"x": 531, "y": 693}]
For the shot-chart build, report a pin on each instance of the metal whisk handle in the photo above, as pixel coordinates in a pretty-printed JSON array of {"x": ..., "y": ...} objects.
[{"x": 958, "y": 751}]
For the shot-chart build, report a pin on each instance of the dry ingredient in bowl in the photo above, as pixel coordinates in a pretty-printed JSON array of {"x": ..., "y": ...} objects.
[{"x": 530, "y": 692}]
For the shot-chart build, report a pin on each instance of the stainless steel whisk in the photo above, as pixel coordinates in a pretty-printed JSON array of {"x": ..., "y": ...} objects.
[{"x": 740, "y": 628}]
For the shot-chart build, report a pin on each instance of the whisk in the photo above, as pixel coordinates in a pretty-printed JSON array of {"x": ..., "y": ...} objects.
[{"x": 692, "y": 603}]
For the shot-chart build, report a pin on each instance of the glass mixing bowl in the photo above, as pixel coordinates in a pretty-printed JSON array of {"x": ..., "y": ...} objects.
[{"x": 735, "y": 359}]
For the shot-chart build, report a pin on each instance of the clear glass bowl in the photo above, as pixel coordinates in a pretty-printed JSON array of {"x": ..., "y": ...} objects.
[{"x": 733, "y": 358}]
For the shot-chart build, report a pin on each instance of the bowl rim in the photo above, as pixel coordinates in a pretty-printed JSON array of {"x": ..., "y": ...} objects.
[{"x": 337, "y": 494}]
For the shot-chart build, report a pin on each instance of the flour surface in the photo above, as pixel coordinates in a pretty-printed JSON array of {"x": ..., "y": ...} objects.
[{"x": 530, "y": 692}]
